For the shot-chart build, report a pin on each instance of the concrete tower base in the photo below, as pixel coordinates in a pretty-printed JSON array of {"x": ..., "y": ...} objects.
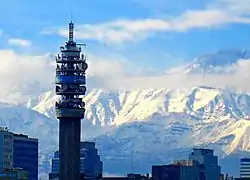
[{"x": 69, "y": 148}]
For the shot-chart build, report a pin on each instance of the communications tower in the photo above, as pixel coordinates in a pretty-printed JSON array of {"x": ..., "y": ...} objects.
[{"x": 70, "y": 86}]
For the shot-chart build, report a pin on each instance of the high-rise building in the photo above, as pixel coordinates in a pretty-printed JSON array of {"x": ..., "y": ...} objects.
[
  {"x": 7, "y": 156},
  {"x": 6, "y": 149},
  {"x": 70, "y": 109},
  {"x": 206, "y": 158},
  {"x": 245, "y": 168},
  {"x": 25, "y": 155},
  {"x": 90, "y": 163}
]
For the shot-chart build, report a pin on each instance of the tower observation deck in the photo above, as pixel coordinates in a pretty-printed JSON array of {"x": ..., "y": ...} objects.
[{"x": 70, "y": 109}]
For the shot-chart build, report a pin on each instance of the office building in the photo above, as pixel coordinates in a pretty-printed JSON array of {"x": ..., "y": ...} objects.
[
  {"x": 7, "y": 155},
  {"x": 245, "y": 168},
  {"x": 25, "y": 155},
  {"x": 6, "y": 149},
  {"x": 175, "y": 172},
  {"x": 90, "y": 163},
  {"x": 206, "y": 158}
]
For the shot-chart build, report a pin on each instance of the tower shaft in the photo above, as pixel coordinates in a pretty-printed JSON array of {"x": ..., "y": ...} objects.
[{"x": 69, "y": 149}]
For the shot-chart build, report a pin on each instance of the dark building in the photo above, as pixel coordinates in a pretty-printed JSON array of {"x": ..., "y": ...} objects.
[
  {"x": 90, "y": 163},
  {"x": 6, "y": 149},
  {"x": 166, "y": 172},
  {"x": 70, "y": 109},
  {"x": 175, "y": 172},
  {"x": 207, "y": 159},
  {"x": 115, "y": 178},
  {"x": 53, "y": 176},
  {"x": 25, "y": 155}
]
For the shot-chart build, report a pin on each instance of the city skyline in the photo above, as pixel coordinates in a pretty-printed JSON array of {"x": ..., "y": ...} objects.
[{"x": 143, "y": 79}]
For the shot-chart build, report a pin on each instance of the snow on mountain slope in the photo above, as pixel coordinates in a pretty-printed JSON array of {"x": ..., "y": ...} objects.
[
  {"x": 35, "y": 100},
  {"x": 117, "y": 107},
  {"x": 155, "y": 124},
  {"x": 48, "y": 101}
]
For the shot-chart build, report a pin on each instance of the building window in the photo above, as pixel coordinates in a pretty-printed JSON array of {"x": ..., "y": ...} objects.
[
  {"x": 7, "y": 136},
  {"x": 7, "y": 150}
]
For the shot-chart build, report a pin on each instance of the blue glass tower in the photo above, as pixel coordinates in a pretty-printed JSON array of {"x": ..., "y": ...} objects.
[
  {"x": 6, "y": 149},
  {"x": 90, "y": 163},
  {"x": 207, "y": 158},
  {"x": 70, "y": 86},
  {"x": 25, "y": 155}
]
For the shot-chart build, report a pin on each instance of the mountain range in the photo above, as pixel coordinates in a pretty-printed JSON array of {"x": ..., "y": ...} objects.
[{"x": 135, "y": 129}]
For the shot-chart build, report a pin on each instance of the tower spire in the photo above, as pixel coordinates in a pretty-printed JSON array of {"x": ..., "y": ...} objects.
[{"x": 71, "y": 31}]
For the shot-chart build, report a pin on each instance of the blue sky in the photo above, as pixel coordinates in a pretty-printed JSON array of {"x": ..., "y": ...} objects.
[{"x": 151, "y": 33}]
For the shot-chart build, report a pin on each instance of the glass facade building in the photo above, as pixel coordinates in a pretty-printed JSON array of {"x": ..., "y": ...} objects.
[
  {"x": 90, "y": 163},
  {"x": 25, "y": 155},
  {"x": 6, "y": 149},
  {"x": 206, "y": 158}
]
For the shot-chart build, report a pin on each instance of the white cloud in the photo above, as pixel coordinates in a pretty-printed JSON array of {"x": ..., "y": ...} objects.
[
  {"x": 116, "y": 31},
  {"x": 22, "y": 76},
  {"x": 241, "y": 7},
  {"x": 19, "y": 42},
  {"x": 201, "y": 19},
  {"x": 120, "y": 31}
]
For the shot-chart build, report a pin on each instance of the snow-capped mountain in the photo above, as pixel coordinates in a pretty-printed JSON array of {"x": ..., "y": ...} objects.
[
  {"x": 152, "y": 124},
  {"x": 220, "y": 62}
]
